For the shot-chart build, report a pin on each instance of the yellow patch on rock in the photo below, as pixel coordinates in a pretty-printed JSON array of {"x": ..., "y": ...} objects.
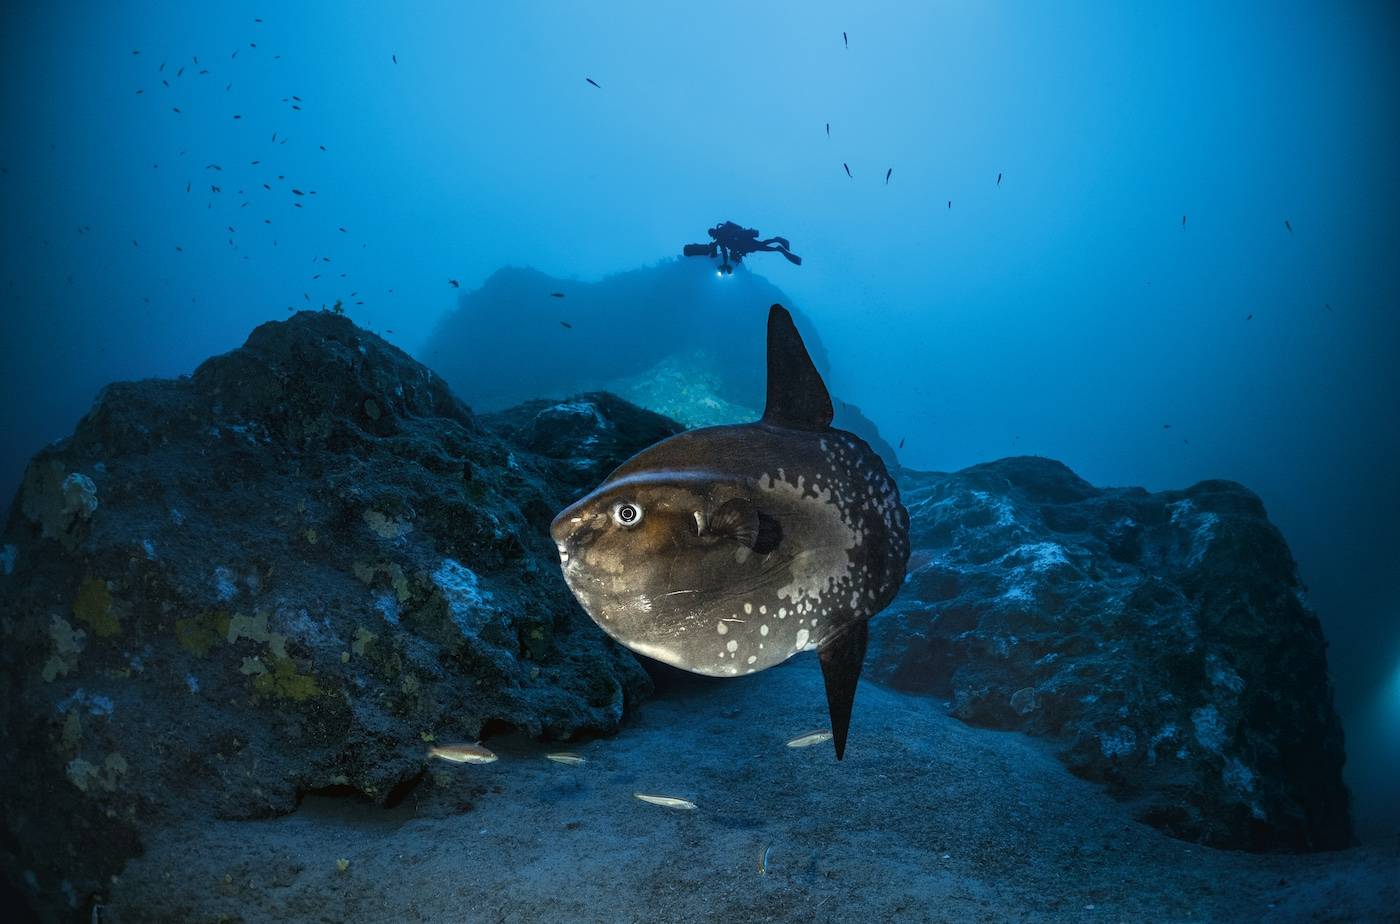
[
  {"x": 367, "y": 572},
  {"x": 86, "y": 775},
  {"x": 253, "y": 627},
  {"x": 94, "y": 607},
  {"x": 199, "y": 634},
  {"x": 72, "y": 730},
  {"x": 284, "y": 681},
  {"x": 67, "y": 644},
  {"x": 385, "y": 526},
  {"x": 362, "y": 639}
]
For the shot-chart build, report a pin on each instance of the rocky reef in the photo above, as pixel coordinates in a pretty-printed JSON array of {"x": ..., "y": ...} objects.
[
  {"x": 671, "y": 338},
  {"x": 287, "y": 573},
  {"x": 1161, "y": 641},
  {"x": 620, "y": 326}
]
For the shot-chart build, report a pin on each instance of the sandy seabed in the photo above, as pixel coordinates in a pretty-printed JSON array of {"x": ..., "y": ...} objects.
[{"x": 926, "y": 820}]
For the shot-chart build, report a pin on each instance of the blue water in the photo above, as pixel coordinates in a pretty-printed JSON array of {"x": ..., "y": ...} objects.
[{"x": 1065, "y": 311}]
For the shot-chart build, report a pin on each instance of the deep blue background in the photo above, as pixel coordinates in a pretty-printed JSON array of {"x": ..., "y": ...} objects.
[{"x": 1066, "y": 312}]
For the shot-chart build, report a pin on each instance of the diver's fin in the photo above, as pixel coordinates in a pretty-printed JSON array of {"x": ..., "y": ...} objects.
[
  {"x": 841, "y": 659},
  {"x": 736, "y": 519},
  {"x": 792, "y": 258},
  {"x": 797, "y": 397}
]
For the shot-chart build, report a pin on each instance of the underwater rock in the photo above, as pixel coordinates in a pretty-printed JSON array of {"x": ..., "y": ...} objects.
[
  {"x": 671, "y": 338},
  {"x": 504, "y": 343},
  {"x": 687, "y": 388},
  {"x": 581, "y": 439},
  {"x": 286, "y": 573},
  {"x": 1161, "y": 641}
]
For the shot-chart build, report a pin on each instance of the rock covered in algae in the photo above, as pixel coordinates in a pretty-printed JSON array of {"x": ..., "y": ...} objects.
[
  {"x": 1161, "y": 641},
  {"x": 280, "y": 574}
]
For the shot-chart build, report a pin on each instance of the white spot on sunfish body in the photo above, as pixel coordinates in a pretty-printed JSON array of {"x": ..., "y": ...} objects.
[
  {"x": 802, "y": 636},
  {"x": 731, "y": 645},
  {"x": 721, "y": 628},
  {"x": 748, "y": 608},
  {"x": 763, "y": 629}
]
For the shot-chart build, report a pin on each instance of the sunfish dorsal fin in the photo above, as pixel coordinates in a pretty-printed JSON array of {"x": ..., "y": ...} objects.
[{"x": 797, "y": 396}]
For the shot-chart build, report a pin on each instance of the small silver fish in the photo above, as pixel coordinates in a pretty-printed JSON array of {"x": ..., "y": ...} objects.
[
  {"x": 667, "y": 801},
  {"x": 566, "y": 757},
  {"x": 763, "y": 860},
  {"x": 462, "y": 753},
  {"x": 809, "y": 739}
]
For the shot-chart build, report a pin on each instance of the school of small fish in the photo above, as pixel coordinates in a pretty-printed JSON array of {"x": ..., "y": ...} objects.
[{"x": 294, "y": 104}]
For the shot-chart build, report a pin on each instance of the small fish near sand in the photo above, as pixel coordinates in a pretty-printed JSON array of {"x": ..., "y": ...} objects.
[
  {"x": 809, "y": 739},
  {"x": 666, "y": 801},
  {"x": 567, "y": 757},
  {"x": 462, "y": 753}
]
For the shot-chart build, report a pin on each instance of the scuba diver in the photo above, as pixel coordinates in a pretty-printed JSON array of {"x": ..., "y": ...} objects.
[{"x": 733, "y": 242}]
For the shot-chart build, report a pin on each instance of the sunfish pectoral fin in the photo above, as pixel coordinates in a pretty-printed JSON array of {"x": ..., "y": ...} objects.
[
  {"x": 736, "y": 520},
  {"x": 841, "y": 659},
  {"x": 797, "y": 396}
]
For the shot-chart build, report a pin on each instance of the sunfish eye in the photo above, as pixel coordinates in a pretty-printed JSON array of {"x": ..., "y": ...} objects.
[{"x": 626, "y": 514}]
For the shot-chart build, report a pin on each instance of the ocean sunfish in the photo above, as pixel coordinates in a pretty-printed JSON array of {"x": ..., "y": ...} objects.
[{"x": 727, "y": 550}]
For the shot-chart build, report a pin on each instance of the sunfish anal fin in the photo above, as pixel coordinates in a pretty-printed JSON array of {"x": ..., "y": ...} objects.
[
  {"x": 797, "y": 396},
  {"x": 841, "y": 660}
]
